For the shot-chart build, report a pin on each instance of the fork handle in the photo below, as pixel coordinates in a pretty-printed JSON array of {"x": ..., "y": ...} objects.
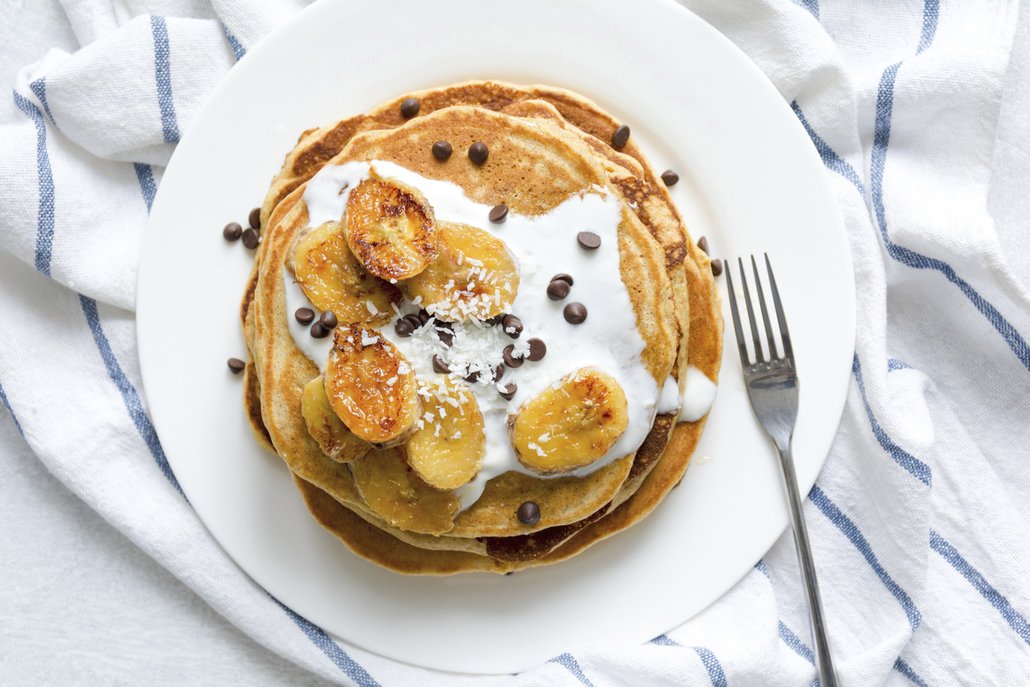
[{"x": 823, "y": 662}]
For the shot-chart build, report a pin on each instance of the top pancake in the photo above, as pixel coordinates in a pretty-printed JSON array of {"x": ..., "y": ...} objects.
[{"x": 562, "y": 166}]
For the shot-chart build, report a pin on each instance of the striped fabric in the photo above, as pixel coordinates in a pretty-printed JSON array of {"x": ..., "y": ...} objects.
[{"x": 919, "y": 519}]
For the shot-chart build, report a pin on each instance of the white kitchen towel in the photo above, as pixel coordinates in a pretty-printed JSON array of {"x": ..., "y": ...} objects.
[{"x": 920, "y": 518}]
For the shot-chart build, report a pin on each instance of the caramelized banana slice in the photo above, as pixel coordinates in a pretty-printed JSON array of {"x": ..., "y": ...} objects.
[
  {"x": 370, "y": 386},
  {"x": 390, "y": 228},
  {"x": 332, "y": 436},
  {"x": 333, "y": 279},
  {"x": 395, "y": 493},
  {"x": 473, "y": 278},
  {"x": 571, "y": 424},
  {"x": 447, "y": 450}
]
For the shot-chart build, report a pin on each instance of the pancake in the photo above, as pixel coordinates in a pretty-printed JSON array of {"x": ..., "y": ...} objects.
[{"x": 683, "y": 327}]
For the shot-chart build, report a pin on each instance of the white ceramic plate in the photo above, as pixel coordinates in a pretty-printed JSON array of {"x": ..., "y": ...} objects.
[{"x": 750, "y": 181}]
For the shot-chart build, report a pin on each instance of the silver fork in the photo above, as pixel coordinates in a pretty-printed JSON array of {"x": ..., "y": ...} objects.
[{"x": 772, "y": 386}]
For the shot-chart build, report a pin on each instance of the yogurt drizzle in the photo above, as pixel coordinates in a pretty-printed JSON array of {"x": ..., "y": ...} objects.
[{"x": 543, "y": 246}]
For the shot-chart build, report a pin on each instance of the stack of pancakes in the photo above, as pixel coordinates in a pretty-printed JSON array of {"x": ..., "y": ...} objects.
[{"x": 546, "y": 145}]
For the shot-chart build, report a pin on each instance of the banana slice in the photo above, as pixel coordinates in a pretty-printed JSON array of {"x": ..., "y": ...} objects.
[
  {"x": 371, "y": 386},
  {"x": 332, "y": 436},
  {"x": 447, "y": 450},
  {"x": 333, "y": 279},
  {"x": 474, "y": 277},
  {"x": 393, "y": 491},
  {"x": 390, "y": 228},
  {"x": 571, "y": 424}
]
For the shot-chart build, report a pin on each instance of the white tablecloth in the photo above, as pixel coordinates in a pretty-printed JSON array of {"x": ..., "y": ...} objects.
[{"x": 80, "y": 604}]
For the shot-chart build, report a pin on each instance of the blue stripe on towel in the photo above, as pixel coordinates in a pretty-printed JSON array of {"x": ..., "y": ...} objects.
[
  {"x": 7, "y": 404},
  {"x": 906, "y": 670},
  {"x": 855, "y": 536},
  {"x": 145, "y": 176},
  {"x": 130, "y": 396},
  {"x": 893, "y": 365},
  {"x": 916, "y": 467},
  {"x": 45, "y": 213},
  {"x": 572, "y": 665},
  {"x": 238, "y": 51},
  {"x": 39, "y": 89},
  {"x": 830, "y": 158},
  {"x": 163, "y": 78},
  {"x": 795, "y": 643},
  {"x": 949, "y": 553},
  {"x": 931, "y": 17},
  {"x": 331, "y": 649},
  {"x": 712, "y": 665}
]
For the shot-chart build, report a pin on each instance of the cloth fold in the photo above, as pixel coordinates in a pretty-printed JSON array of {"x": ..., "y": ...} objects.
[{"x": 920, "y": 514}]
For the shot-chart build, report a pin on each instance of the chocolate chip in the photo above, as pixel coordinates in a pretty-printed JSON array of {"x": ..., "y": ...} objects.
[
  {"x": 498, "y": 372},
  {"x": 403, "y": 328},
  {"x": 236, "y": 365},
  {"x": 509, "y": 391},
  {"x": 495, "y": 320},
  {"x": 537, "y": 350},
  {"x": 328, "y": 319},
  {"x": 442, "y": 150},
  {"x": 318, "y": 331},
  {"x": 251, "y": 238},
  {"x": 716, "y": 267},
  {"x": 588, "y": 240},
  {"x": 478, "y": 152},
  {"x": 415, "y": 321},
  {"x": 232, "y": 232},
  {"x": 620, "y": 137},
  {"x": 499, "y": 213},
  {"x": 567, "y": 278},
  {"x": 509, "y": 357},
  {"x": 512, "y": 326},
  {"x": 529, "y": 513},
  {"x": 424, "y": 316},
  {"x": 472, "y": 376},
  {"x": 558, "y": 289},
  {"x": 575, "y": 313},
  {"x": 670, "y": 177},
  {"x": 702, "y": 243},
  {"x": 440, "y": 366},
  {"x": 410, "y": 107},
  {"x": 446, "y": 335},
  {"x": 305, "y": 315},
  {"x": 254, "y": 218}
]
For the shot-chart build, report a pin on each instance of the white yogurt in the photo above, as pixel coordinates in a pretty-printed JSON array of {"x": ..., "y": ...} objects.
[
  {"x": 543, "y": 246},
  {"x": 698, "y": 395},
  {"x": 669, "y": 401},
  {"x": 696, "y": 399}
]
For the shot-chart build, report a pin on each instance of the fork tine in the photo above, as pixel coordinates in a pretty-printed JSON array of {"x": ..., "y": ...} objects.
[
  {"x": 788, "y": 351},
  {"x": 773, "y": 355},
  {"x": 736, "y": 320},
  {"x": 750, "y": 313}
]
